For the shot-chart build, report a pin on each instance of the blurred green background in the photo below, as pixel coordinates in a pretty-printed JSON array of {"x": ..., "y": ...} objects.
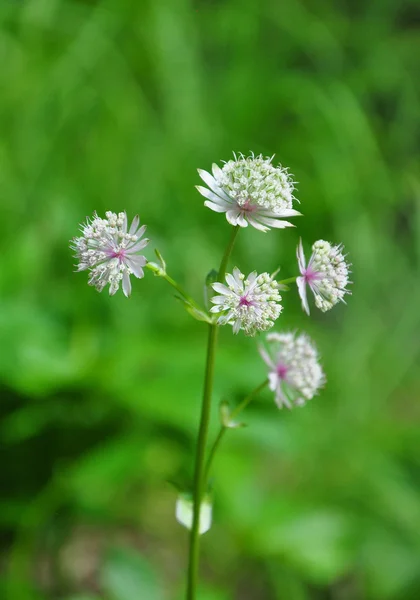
[{"x": 113, "y": 105}]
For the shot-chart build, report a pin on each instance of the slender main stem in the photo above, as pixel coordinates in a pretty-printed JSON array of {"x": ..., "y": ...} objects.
[
  {"x": 199, "y": 472},
  {"x": 223, "y": 429},
  {"x": 199, "y": 481}
]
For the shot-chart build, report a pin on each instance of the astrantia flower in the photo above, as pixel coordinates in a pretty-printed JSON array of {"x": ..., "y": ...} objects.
[
  {"x": 251, "y": 304},
  {"x": 295, "y": 374},
  {"x": 250, "y": 190},
  {"x": 327, "y": 274},
  {"x": 110, "y": 252}
]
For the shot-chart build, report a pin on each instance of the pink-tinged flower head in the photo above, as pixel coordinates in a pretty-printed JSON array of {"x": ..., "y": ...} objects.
[
  {"x": 111, "y": 252},
  {"x": 251, "y": 304},
  {"x": 250, "y": 190},
  {"x": 327, "y": 275},
  {"x": 295, "y": 374}
]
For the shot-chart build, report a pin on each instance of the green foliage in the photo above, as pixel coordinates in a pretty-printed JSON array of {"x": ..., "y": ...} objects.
[
  {"x": 127, "y": 577},
  {"x": 113, "y": 105}
]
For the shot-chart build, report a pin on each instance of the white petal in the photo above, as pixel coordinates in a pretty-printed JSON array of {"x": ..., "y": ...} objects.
[
  {"x": 257, "y": 225},
  {"x": 212, "y": 183},
  {"x": 232, "y": 216},
  {"x": 137, "y": 246},
  {"x": 230, "y": 280},
  {"x": 217, "y": 171},
  {"x": 301, "y": 285},
  {"x": 126, "y": 284},
  {"x": 236, "y": 326},
  {"x": 136, "y": 263},
  {"x": 141, "y": 231},
  {"x": 281, "y": 398},
  {"x": 218, "y": 299},
  {"x": 285, "y": 212},
  {"x": 216, "y": 309},
  {"x": 252, "y": 277},
  {"x": 274, "y": 222},
  {"x": 221, "y": 288},
  {"x": 237, "y": 275},
  {"x": 134, "y": 225},
  {"x": 216, "y": 207},
  {"x": 266, "y": 357},
  {"x": 273, "y": 380},
  {"x": 213, "y": 197},
  {"x": 301, "y": 256},
  {"x": 242, "y": 222}
]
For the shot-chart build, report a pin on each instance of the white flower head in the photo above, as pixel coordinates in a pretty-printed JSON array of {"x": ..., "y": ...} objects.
[
  {"x": 295, "y": 374},
  {"x": 251, "y": 304},
  {"x": 250, "y": 190},
  {"x": 327, "y": 275},
  {"x": 111, "y": 252}
]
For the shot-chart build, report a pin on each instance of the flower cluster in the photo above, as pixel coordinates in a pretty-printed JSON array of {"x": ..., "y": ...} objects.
[
  {"x": 295, "y": 374},
  {"x": 111, "y": 252},
  {"x": 326, "y": 274},
  {"x": 251, "y": 303},
  {"x": 250, "y": 190}
]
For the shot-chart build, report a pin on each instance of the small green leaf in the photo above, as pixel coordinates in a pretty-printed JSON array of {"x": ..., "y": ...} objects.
[
  {"x": 161, "y": 260},
  {"x": 194, "y": 311},
  {"x": 226, "y": 418},
  {"x": 156, "y": 269}
]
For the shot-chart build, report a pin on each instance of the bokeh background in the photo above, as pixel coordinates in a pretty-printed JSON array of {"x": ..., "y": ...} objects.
[{"x": 112, "y": 105}]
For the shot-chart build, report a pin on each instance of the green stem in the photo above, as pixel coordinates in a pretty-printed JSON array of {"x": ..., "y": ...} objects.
[
  {"x": 175, "y": 285},
  {"x": 228, "y": 251},
  {"x": 199, "y": 481},
  {"x": 179, "y": 289},
  {"x": 199, "y": 471},
  {"x": 290, "y": 280},
  {"x": 223, "y": 429}
]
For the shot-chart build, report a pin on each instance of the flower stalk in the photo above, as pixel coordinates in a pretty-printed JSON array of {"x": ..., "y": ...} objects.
[
  {"x": 199, "y": 471},
  {"x": 247, "y": 400}
]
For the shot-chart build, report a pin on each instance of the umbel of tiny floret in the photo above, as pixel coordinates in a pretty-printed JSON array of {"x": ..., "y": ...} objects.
[
  {"x": 327, "y": 275},
  {"x": 250, "y": 303},
  {"x": 295, "y": 374},
  {"x": 110, "y": 251},
  {"x": 250, "y": 190}
]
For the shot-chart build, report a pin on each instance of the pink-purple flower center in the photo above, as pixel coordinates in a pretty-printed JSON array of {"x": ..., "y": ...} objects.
[
  {"x": 310, "y": 275},
  {"x": 120, "y": 254},
  {"x": 243, "y": 301},
  {"x": 248, "y": 206},
  {"x": 281, "y": 371}
]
